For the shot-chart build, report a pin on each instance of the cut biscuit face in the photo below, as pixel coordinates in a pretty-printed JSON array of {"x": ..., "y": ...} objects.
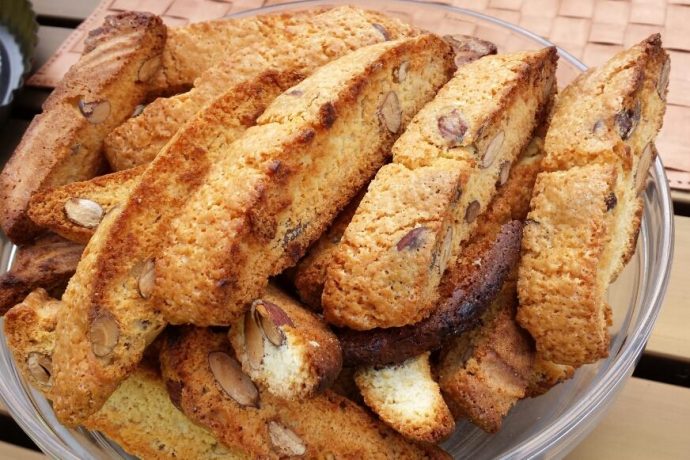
[
  {"x": 407, "y": 398},
  {"x": 285, "y": 348}
]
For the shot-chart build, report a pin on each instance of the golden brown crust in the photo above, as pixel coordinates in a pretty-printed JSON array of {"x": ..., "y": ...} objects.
[
  {"x": 306, "y": 43},
  {"x": 63, "y": 144},
  {"x": 306, "y": 362},
  {"x": 326, "y": 423},
  {"x": 47, "y": 208},
  {"x": 485, "y": 372},
  {"x": 545, "y": 375},
  {"x": 407, "y": 398},
  {"x": 107, "y": 285},
  {"x": 48, "y": 263},
  {"x": 372, "y": 282},
  {"x": 560, "y": 284},
  {"x": 288, "y": 177}
]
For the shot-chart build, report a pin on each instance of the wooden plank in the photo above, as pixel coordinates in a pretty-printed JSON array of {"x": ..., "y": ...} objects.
[
  {"x": 49, "y": 39},
  {"x": 670, "y": 336},
  {"x": 647, "y": 420},
  {"x": 11, "y": 452},
  {"x": 680, "y": 196},
  {"x": 68, "y": 10}
]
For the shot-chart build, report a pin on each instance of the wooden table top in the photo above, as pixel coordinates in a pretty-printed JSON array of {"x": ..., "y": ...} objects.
[{"x": 649, "y": 419}]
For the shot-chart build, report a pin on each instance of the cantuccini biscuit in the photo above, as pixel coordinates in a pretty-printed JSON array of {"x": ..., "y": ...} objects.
[
  {"x": 407, "y": 398},
  {"x": 561, "y": 287},
  {"x": 75, "y": 210},
  {"x": 545, "y": 375},
  {"x": 108, "y": 299},
  {"x": 484, "y": 372},
  {"x": 63, "y": 144},
  {"x": 311, "y": 41},
  {"x": 48, "y": 263},
  {"x": 603, "y": 124},
  {"x": 611, "y": 115},
  {"x": 285, "y": 348},
  {"x": 387, "y": 268},
  {"x": 207, "y": 383},
  {"x": 283, "y": 182}
]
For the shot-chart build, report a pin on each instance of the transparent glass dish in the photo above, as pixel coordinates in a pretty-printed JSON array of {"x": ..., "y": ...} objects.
[{"x": 548, "y": 426}]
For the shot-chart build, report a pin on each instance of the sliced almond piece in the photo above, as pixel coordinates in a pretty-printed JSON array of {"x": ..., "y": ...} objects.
[
  {"x": 285, "y": 440},
  {"x": 253, "y": 340},
  {"x": 452, "y": 127},
  {"x": 104, "y": 334},
  {"x": 149, "y": 68},
  {"x": 95, "y": 112},
  {"x": 400, "y": 72},
  {"x": 228, "y": 373},
  {"x": 147, "y": 278},
  {"x": 412, "y": 239},
  {"x": 472, "y": 211},
  {"x": 504, "y": 173},
  {"x": 390, "y": 113},
  {"x": 493, "y": 149},
  {"x": 84, "y": 212},
  {"x": 382, "y": 30},
  {"x": 270, "y": 317},
  {"x": 643, "y": 167},
  {"x": 40, "y": 366}
]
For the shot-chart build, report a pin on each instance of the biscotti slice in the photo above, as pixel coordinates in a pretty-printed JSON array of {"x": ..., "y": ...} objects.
[
  {"x": 109, "y": 297},
  {"x": 285, "y": 180},
  {"x": 310, "y": 273},
  {"x": 308, "y": 43},
  {"x": 407, "y": 398},
  {"x": 561, "y": 283},
  {"x": 207, "y": 383},
  {"x": 285, "y": 348},
  {"x": 611, "y": 115},
  {"x": 30, "y": 332},
  {"x": 387, "y": 268},
  {"x": 75, "y": 210},
  {"x": 140, "y": 417},
  {"x": 63, "y": 144},
  {"x": 49, "y": 262},
  {"x": 484, "y": 372}
]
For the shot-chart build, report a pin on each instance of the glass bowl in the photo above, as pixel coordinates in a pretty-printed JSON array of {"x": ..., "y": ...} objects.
[{"x": 547, "y": 426}]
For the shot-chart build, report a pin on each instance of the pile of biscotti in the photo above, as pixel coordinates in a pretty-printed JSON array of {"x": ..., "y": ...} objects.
[{"x": 324, "y": 233}]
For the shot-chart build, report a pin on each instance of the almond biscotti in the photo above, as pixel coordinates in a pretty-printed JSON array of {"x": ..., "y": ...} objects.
[
  {"x": 604, "y": 123},
  {"x": 284, "y": 181},
  {"x": 63, "y": 144},
  {"x": 407, "y": 398},
  {"x": 485, "y": 372},
  {"x": 285, "y": 348},
  {"x": 561, "y": 287},
  {"x": 312, "y": 41},
  {"x": 611, "y": 115},
  {"x": 48, "y": 263},
  {"x": 75, "y": 210},
  {"x": 419, "y": 209},
  {"x": 109, "y": 319},
  {"x": 207, "y": 383}
]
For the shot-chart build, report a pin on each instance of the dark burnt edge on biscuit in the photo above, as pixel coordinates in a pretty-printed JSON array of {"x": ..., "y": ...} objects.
[{"x": 462, "y": 305}]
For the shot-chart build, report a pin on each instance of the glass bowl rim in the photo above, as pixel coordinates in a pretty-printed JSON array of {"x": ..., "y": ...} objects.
[{"x": 594, "y": 398}]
